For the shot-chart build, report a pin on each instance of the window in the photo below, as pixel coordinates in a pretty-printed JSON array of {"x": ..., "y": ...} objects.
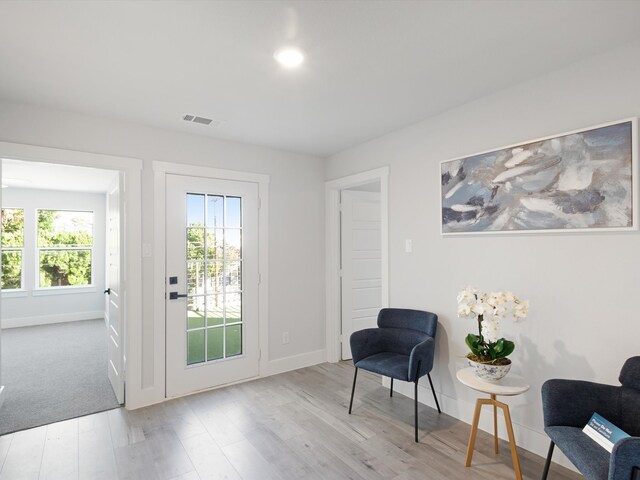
[
  {"x": 65, "y": 247},
  {"x": 12, "y": 247}
]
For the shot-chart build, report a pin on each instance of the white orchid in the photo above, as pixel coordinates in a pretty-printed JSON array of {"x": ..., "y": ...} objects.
[
  {"x": 467, "y": 296},
  {"x": 520, "y": 310},
  {"x": 510, "y": 297},
  {"x": 489, "y": 308},
  {"x": 482, "y": 308},
  {"x": 497, "y": 304},
  {"x": 491, "y": 329},
  {"x": 495, "y": 299},
  {"x": 464, "y": 310}
]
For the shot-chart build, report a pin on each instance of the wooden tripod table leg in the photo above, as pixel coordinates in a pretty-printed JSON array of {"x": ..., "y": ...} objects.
[
  {"x": 512, "y": 439},
  {"x": 474, "y": 429},
  {"x": 495, "y": 425},
  {"x": 514, "y": 385},
  {"x": 507, "y": 418}
]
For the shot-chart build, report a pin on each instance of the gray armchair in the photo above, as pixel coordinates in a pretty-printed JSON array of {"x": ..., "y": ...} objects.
[
  {"x": 402, "y": 347},
  {"x": 568, "y": 406}
]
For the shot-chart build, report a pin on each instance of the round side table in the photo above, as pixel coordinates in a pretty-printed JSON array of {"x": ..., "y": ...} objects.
[{"x": 509, "y": 386}]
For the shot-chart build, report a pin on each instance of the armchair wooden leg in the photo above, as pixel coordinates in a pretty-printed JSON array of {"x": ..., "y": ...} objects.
[
  {"x": 415, "y": 408},
  {"x": 547, "y": 463},
  {"x": 434, "y": 393},
  {"x": 391, "y": 389},
  {"x": 353, "y": 389}
]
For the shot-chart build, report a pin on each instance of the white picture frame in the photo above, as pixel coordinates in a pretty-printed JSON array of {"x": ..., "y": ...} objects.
[{"x": 471, "y": 218}]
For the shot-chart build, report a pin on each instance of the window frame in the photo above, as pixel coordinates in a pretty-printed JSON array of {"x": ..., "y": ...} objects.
[
  {"x": 21, "y": 289},
  {"x": 42, "y": 290}
]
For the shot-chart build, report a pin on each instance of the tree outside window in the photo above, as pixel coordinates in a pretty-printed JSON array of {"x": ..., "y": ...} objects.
[
  {"x": 65, "y": 244},
  {"x": 12, "y": 248}
]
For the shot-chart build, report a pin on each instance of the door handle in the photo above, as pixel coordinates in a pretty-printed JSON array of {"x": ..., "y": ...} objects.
[
  {"x": 108, "y": 291},
  {"x": 176, "y": 295}
]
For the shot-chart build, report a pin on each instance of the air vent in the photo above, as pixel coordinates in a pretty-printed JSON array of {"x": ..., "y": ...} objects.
[{"x": 202, "y": 120}]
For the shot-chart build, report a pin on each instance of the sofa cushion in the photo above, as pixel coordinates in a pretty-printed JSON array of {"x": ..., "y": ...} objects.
[
  {"x": 590, "y": 458},
  {"x": 394, "y": 365}
]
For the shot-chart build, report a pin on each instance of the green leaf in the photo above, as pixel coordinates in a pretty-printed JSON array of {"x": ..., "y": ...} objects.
[
  {"x": 473, "y": 342},
  {"x": 506, "y": 348}
]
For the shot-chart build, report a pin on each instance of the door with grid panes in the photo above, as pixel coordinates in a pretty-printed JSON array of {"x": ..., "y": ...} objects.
[{"x": 212, "y": 282}]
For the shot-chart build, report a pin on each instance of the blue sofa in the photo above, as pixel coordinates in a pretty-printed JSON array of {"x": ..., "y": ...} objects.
[
  {"x": 402, "y": 347},
  {"x": 568, "y": 406}
]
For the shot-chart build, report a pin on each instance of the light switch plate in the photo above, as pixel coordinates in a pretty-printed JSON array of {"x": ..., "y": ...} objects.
[{"x": 408, "y": 246}]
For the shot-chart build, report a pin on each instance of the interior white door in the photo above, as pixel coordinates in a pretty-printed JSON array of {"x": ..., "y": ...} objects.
[
  {"x": 361, "y": 262},
  {"x": 212, "y": 283},
  {"x": 115, "y": 292}
]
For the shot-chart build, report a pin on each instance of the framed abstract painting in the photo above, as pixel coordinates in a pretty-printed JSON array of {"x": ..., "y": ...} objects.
[{"x": 579, "y": 181}]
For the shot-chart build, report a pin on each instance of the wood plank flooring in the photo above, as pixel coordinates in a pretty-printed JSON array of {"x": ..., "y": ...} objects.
[{"x": 292, "y": 426}]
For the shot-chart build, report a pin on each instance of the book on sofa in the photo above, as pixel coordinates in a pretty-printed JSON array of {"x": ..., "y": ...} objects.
[{"x": 605, "y": 433}]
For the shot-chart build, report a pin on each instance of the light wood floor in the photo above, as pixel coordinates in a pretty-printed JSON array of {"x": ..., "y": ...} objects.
[{"x": 289, "y": 426}]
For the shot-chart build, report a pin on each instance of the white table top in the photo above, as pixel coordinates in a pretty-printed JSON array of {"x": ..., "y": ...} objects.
[{"x": 509, "y": 385}]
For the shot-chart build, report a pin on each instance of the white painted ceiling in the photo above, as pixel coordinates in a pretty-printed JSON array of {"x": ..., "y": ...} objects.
[
  {"x": 49, "y": 176},
  {"x": 372, "y": 66}
]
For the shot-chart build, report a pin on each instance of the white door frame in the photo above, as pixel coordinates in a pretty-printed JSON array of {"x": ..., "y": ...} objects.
[
  {"x": 160, "y": 171},
  {"x": 332, "y": 271},
  {"x": 132, "y": 240}
]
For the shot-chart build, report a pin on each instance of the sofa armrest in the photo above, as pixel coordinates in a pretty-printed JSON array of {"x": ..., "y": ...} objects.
[
  {"x": 572, "y": 402},
  {"x": 624, "y": 459},
  {"x": 421, "y": 359},
  {"x": 367, "y": 342}
]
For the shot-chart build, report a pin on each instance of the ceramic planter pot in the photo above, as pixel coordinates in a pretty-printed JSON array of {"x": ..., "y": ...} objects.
[{"x": 488, "y": 371}]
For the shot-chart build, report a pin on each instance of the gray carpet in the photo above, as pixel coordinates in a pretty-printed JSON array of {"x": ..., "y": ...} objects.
[{"x": 54, "y": 372}]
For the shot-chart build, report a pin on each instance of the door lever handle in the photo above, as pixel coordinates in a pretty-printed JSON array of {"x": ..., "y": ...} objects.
[
  {"x": 108, "y": 291},
  {"x": 176, "y": 295}
]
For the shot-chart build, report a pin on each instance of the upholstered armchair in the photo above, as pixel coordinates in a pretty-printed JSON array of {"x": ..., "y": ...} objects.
[
  {"x": 402, "y": 347},
  {"x": 568, "y": 406}
]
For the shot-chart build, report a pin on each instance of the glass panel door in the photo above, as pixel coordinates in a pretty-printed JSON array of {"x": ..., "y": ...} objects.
[
  {"x": 214, "y": 277},
  {"x": 212, "y": 296}
]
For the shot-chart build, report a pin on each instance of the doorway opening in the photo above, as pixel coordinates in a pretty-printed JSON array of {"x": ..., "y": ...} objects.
[
  {"x": 357, "y": 256},
  {"x": 62, "y": 292}
]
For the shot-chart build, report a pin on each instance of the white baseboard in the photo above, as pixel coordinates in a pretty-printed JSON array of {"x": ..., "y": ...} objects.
[
  {"x": 53, "y": 318},
  {"x": 294, "y": 362},
  {"x": 526, "y": 438}
]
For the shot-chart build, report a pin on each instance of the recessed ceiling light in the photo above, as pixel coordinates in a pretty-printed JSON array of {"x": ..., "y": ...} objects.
[{"x": 289, "y": 57}]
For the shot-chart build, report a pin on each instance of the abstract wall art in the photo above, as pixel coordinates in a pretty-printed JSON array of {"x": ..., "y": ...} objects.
[{"x": 582, "y": 180}]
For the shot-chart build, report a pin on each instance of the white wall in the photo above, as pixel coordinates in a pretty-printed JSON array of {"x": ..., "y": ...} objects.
[
  {"x": 296, "y": 221},
  {"x": 583, "y": 287},
  {"x": 56, "y": 306}
]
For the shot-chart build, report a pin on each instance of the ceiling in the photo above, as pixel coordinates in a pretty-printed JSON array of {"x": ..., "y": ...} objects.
[
  {"x": 372, "y": 66},
  {"x": 19, "y": 174}
]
